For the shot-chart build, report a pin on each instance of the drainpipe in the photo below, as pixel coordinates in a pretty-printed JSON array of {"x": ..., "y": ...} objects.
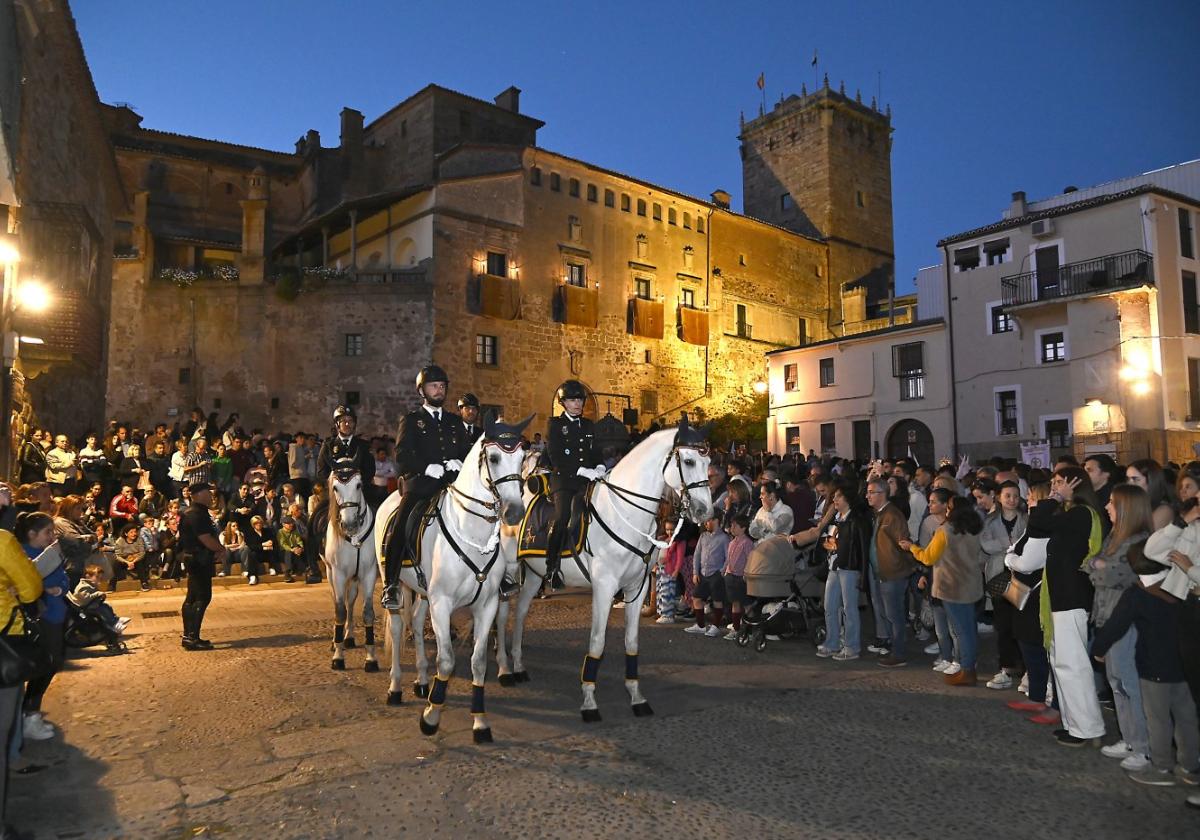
[{"x": 950, "y": 341}]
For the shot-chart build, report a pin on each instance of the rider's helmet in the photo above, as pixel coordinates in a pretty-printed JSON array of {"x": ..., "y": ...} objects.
[
  {"x": 572, "y": 389},
  {"x": 343, "y": 411},
  {"x": 431, "y": 373},
  {"x": 468, "y": 401}
]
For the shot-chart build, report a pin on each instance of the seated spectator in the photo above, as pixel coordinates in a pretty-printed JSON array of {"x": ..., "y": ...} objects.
[
  {"x": 259, "y": 545},
  {"x": 235, "y": 544},
  {"x": 131, "y": 555},
  {"x": 123, "y": 509},
  {"x": 168, "y": 546},
  {"x": 153, "y": 503},
  {"x": 90, "y": 598},
  {"x": 291, "y": 546}
]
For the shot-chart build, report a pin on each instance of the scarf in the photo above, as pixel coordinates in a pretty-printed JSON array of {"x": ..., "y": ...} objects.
[{"x": 1095, "y": 543}]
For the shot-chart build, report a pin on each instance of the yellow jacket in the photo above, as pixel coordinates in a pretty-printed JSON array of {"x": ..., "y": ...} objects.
[{"x": 19, "y": 575}]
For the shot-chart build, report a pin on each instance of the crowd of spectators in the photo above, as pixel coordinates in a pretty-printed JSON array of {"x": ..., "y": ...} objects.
[{"x": 1088, "y": 575}]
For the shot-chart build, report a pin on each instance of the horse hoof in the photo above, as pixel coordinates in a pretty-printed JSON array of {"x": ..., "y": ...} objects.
[
  {"x": 508, "y": 680},
  {"x": 395, "y": 698},
  {"x": 421, "y": 690},
  {"x": 371, "y": 666},
  {"x": 642, "y": 710},
  {"x": 349, "y": 643},
  {"x": 521, "y": 676},
  {"x": 338, "y": 664},
  {"x": 590, "y": 715},
  {"x": 426, "y": 727},
  {"x": 482, "y": 736}
]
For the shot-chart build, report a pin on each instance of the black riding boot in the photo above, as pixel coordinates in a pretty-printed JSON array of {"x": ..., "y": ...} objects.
[{"x": 554, "y": 578}]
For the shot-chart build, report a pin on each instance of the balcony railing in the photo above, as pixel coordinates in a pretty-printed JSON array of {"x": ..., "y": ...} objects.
[{"x": 1103, "y": 274}]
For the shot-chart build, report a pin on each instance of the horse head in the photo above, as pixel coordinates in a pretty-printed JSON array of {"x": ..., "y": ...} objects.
[
  {"x": 346, "y": 495},
  {"x": 686, "y": 471},
  {"x": 501, "y": 460}
]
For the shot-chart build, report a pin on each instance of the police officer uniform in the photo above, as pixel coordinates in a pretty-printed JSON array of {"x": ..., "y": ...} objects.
[
  {"x": 573, "y": 461},
  {"x": 200, "y": 561},
  {"x": 471, "y": 431},
  {"x": 353, "y": 447},
  {"x": 430, "y": 446}
]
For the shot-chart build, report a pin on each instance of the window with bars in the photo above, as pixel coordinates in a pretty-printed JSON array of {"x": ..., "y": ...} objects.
[
  {"x": 1058, "y": 432},
  {"x": 1052, "y": 347},
  {"x": 485, "y": 350},
  {"x": 1001, "y": 321},
  {"x": 908, "y": 365},
  {"x": 1007, "y": 422},
  {"x": 354, "y": 344}
]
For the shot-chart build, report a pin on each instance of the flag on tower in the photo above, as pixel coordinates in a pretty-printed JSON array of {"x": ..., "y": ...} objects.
[
  {"x": 762, "y": 81},
  {"x": 814, "y": 61}
]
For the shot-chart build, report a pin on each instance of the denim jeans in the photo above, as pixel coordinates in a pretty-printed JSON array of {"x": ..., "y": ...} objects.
[
  {"x": 941, "y": 626},
  {"x": 964, "y": 631},
  {"x": 841, "y": 604},
  {"x": 881, "y": 632},
  {"x": 1122, "y": 673},
  {"x": 895, "y": 614},
  {"x": 1037, "y": 666}
]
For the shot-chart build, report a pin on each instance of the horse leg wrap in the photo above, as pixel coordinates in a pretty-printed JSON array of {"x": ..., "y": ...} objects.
[
  {"x": 476, "y": 699},
  {"x": 339, "y": 633},
  {"x": 631, "y": 660},
  {"x": 437, "y": 694},
  {"x": 591, "y": 668},
  {"x": 370, "y": 631}
]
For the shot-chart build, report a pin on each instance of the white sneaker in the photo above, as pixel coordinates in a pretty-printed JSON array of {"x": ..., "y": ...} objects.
[
  {"x": 1134, "y": 762},
  {"x": 984, "y": 629},
  {"x": 1000, "y": 682},
  {"x": 933, "y": 649},
  {"x": 845, "y": 655},
  {"x": 121, "y": 624},
  {"x": 245, "y": 574},
  {"x": 35, "y": 728},
  {"x": 824, "y": 652},
  {"x": 694, "y": 628},
  {"x": 665, "y": 619},
  {"x": 1024, "y": 686},
  {"x": 729, "y": 626},
  {"x": 940, "y": 665},
  {"x": 272, "y": 571},
  {"x": 731, "y": 636},
  {"x": 220, "y": 574},
  {"x": 712, "y": 631},
  {"x": 1117, "y": 750},
  {"x": 253, "y": 580},
  {"x": 951, "y": 669}
]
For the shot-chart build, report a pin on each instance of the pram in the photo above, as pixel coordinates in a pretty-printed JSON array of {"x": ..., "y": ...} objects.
[
  {"x": 785, "y": 595},
  {"x": 84, "y": 630}
]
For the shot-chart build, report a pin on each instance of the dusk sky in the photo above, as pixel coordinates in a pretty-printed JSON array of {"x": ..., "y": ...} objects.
[{"x": 986, "y": 98}]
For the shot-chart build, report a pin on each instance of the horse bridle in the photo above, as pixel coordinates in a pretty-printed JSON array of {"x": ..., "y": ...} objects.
[
  {"x": 684, "y": 491},
  {"x": 361, "y": 516},
  {"x": 492, "y": 484}
]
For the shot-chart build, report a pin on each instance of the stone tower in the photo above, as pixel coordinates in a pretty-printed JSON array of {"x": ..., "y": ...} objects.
[{"x": 820, "y": 164}]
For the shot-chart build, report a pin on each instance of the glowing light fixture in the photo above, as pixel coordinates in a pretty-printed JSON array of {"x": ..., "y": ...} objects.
[
  {"x": 760, "y": 387},
  {"x": 9, "y": 253},
  {"x": 33, "y": 296}
]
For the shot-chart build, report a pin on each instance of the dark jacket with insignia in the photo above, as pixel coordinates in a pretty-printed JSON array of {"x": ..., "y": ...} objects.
[
  {"x": 570, "y": 445},
  {"x": 470, "y": 437},
  {"x": 421, "y": 441},
  {"x": 357, "y": 450}
]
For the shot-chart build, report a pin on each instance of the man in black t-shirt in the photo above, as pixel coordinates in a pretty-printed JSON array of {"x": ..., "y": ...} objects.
[{"x": 200, "y": 550}]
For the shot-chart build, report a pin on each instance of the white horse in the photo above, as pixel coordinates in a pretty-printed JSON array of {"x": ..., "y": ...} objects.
[
  {"x": 350, "y": 562},
  {"x": 615, "y": 556},
  {"x": 461, "y": 565}
]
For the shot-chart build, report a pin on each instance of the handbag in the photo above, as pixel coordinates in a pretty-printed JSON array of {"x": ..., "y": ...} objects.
[
  {"x": 16, "y": 664},
  {"x": 1018, "y": 593},
  {"x": 998, "y": 585}
]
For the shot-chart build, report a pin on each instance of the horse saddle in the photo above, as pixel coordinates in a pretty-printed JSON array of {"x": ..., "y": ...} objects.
[
  {"x": 539, "y": 517},
  {"x": 401, "y": 540}
]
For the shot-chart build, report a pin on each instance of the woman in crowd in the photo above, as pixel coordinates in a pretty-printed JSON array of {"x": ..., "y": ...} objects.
[
  {"x": 737, "y": 503},
  {"x": 259, "y": 549},
  {"x": 168, "y": 546},
  {"x": 1072, "y": 517},
  {"x": 943, "y": 645},
  {"x": 774, "y": 518},
  {"x": 178, "y": 462},
  {"x": 235, "y": 546},
  {"x": 957, "y": 580},
  {"x": 93, "y": 463},
  {"x": 1130, "y": 512},
  {"x": 222, "y": 471},
  {"x": 898, "y": 494},
  {"x": 1001, "y": 530},
  {"x": 1148, "y": 475},
  {"x": 20, "y": 584},
  {"x": 35, "y": 531},
  {"x": 846, "y": 542},
  {"x": 1027, "y": 560},
  {"x": 74, "y": 537}
]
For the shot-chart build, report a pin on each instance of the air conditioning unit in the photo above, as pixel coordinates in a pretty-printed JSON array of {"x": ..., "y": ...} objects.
[{"x": 1042, "y": 228}]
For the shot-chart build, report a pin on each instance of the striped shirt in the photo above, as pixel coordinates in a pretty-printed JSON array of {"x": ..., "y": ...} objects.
[{"x": 204, "y": 473}]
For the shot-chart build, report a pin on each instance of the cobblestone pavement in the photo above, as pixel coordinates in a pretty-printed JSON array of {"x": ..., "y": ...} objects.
[{"x": 259, "y": 738}]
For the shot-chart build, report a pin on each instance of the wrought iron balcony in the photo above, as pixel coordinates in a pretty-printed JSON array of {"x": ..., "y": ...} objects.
[{"x": 1125, "y": 270}]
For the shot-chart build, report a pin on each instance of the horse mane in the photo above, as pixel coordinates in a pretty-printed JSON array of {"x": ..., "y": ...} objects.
[{"x": 663, "y": 437}]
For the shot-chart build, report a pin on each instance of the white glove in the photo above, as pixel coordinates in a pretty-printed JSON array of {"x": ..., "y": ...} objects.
[
  {"x": 454, "y": 466},
  {"x": 435, "y": 471},
  {"x": 600, "y": 471},
  {"x": 584, "y": 472}
]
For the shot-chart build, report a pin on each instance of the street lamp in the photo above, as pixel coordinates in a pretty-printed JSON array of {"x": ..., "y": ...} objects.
[
  {"x": 760, "y": 387},
  {"x": 32, "y": 297}
]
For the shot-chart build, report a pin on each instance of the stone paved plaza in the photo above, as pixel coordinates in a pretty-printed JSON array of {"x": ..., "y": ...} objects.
[{"x": 259, "y": 739}]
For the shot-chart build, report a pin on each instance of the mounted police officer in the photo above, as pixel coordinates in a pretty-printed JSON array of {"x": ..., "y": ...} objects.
[
  {"x": 468, "y": 410},
  {"x": 573, "y": 462},
  {"x": 346, "y": 445},
  {"x": 430, "y": 446}
]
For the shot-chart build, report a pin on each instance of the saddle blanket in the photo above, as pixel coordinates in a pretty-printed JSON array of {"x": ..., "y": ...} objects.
[{"x": 539, "y": 516}]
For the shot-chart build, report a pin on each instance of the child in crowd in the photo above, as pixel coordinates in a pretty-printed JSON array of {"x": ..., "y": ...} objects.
[
  {"x": 291, "y": 544},
  {"x": 735, "y": 569},
  {"x": 131, "y": 555},
  {"x": 148, "y": 534},
  {"x": 707, "y": 563},
  {"x": 1166, "y": 699},
  {"x": 89, "y": 596}
]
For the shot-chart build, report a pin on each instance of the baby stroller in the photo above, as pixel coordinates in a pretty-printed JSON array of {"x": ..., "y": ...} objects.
[
  {"x": 84, "y": 630},
  {"x": 784, "y": 601}
]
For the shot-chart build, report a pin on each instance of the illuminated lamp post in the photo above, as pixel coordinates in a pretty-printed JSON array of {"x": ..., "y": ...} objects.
[{"x": 31, "y": 297}]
